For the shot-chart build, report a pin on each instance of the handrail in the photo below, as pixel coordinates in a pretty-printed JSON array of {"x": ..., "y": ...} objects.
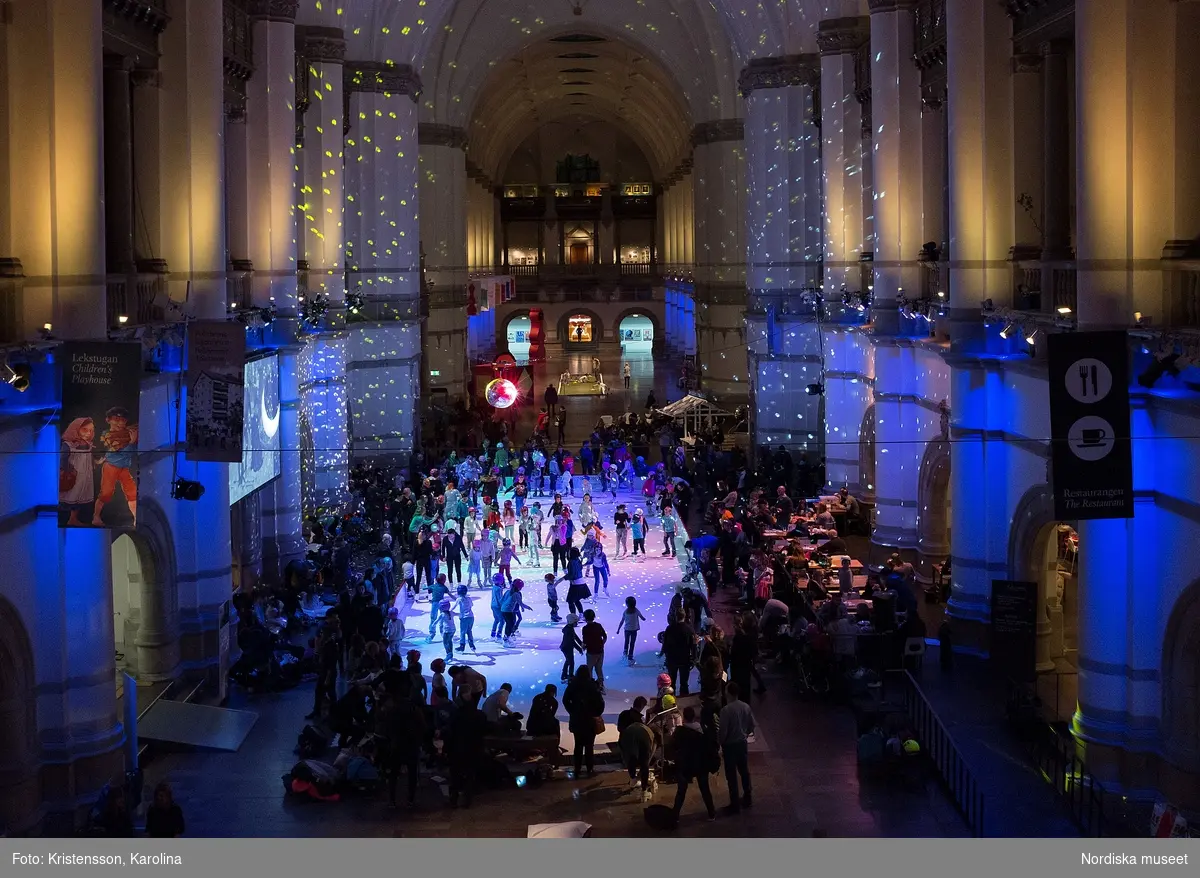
[{"x": 957, "y": 775}]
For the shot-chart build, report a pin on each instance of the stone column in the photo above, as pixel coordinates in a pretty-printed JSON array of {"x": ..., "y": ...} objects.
[
  {"x": 193, "y": 161},
  {"x": 55, "y": 85},
  {"x": 271, "y": 130},
  {"x": 237, "y": 186},
  {"x": 841, "y": 157},
  {"x": 551, "y": 233},
  {"x": 720, "y": 257},
  {"x": 118, "y": 167},
  {"x": 148, "y": 166},
  {"x": 896, "y": 123},
  {"x": 1056, "y": 175},
  {"x": 386, "y": 260},
  {"x": 768, "y": 193},
  {"x": 1125, "y": 91},
  {"x": 1028, "y": 142},
  {"x": 1187, "y": 121},
  {"x": 979, "y": 107},
  {"x": 322, "y": 197},
  {"x": 444, "y": 185},
  {"x": 606, "y": 239}
]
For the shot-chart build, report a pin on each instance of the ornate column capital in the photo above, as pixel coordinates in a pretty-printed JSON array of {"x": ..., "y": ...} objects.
[
  {"x": 890, "y": 5},
  {"x": 382, "y": 78},
  {"x": 779, "y": 72},
  {"x": 437, "y": 134},
  {"x": 235, "y": 112},
  {"x": 1026, "y": 63},
  {"x": 273, "y": 10},
  {"x": 718, "y": 131},
  {"x": 843, "y": 36},
  {"x": 318, "y": 45}
]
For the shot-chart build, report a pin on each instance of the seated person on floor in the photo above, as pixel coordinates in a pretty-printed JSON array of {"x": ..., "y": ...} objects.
[
  {"x": 501, "y": 719},
  {"x": 543, "y": 714}
]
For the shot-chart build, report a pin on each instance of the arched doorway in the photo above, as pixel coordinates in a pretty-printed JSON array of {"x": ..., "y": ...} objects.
[
  {"x": 866, "y": 454},
  {"x": 580, "y": 329},
  {"x": 579, "y": 246},
  {"x": 636, "y": 333},
  {"x": 146, "y": 597},
  {"x": 1045, "y": 550},
  {"x": 1181, "y": 685},
  {"x": 20, "y": 787},
  {"x": 933, "y": 505},
  {"x": 517, "y": 334}
]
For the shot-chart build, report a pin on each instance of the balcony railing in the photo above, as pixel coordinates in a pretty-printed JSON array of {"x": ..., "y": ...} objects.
[
  {"x": 636, "y": 269},
  {"x": 136, "y": 299},
  {"x": 1046, "y": 287}
]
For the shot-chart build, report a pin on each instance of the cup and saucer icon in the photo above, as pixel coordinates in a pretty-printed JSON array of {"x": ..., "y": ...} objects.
[{"x": 1091, "y": 438}]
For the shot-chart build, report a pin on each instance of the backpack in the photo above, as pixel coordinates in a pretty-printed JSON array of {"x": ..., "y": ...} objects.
[
  {"x": 310, "y": 743},
  {"x": 871, "y": 748},
  {"x": 660, "y": 817}
]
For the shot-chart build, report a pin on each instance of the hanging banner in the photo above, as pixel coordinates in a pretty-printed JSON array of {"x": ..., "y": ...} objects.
[
  {"x": 216, "y": 352},
  {"x": 1089, "y": 425},
  {"x": 97, "y": 466}
]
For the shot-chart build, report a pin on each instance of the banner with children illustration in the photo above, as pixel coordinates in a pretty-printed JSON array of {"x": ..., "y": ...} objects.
[{"x": 98, "y": 434}]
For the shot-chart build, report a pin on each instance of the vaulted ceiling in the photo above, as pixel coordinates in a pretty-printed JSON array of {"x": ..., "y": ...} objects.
[{"x": 495, "y": 67}]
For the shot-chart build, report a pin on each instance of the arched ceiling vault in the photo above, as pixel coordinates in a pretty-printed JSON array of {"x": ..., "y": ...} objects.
[{"x": 614, "y": 83}]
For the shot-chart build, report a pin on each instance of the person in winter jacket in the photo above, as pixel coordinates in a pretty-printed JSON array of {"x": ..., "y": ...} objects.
[
  {"x": 510, "y": 605},
  {"x": 577, "y": 591},
  {"x": 453, "y": 551},
  {"x": 499, "y": 587},
  {"x": 639, "y": 526},
  {"x": 475, "y": 565},
  {"x": 438, "y": 592},
  {"x": 584, "y": 704},
  {"x": 679, "y": 650},
  {"x": 693, "y": 762},
  {"x": 465, "y": 607}
]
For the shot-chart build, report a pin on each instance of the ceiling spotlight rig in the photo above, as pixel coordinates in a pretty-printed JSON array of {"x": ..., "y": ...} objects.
[
  {"x": 859, "y": 301},
  {"x": 255, "y": 318},
  {"x": 1173, "y": 352}
]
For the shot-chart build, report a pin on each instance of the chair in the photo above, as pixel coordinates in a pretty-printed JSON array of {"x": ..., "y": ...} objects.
[{"x": 914, "y": 651}]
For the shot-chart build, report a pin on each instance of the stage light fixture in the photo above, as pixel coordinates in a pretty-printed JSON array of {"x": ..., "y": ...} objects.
[
  {"x": 123, "y": 319},
  {"x": 1009, "y": 329},
  {"x": 1031, "y": 335},
  {"x": 186, "y": 489},
  {"x": 17, "y": 376},
  {"x": 815, "y": 389},
  {"x": 1064, "y": 310}
]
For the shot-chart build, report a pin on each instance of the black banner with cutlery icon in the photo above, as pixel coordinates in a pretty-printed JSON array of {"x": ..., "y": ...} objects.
[{"x": 1089, "y": 425}]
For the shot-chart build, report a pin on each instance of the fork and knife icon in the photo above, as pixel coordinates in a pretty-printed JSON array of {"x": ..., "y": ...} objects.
[{"x": 1084, "y": 374}]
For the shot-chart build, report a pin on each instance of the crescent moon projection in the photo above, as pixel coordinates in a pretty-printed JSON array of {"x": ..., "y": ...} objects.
[{"x": 271, "y": 425}]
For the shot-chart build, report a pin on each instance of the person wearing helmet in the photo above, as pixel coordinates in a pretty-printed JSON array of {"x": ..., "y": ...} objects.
[
  {"x": 571, "y": 644},
  {"x": 465, "y": 608},
  {"x": 639, "y": 526},
  {"x": 499, "y": 586}
]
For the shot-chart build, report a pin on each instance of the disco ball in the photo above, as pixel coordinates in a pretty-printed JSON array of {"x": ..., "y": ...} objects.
[{"x": 501, "y": 393}]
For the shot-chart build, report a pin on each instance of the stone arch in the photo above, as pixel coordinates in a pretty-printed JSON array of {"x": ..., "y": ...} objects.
[
  {"x": 597, "y": 326},
  {"x": 20, "y": 784},
  {"x": 157, "y": 637},
  {"x": 502, "y": 329},
  {"x": 1033, "y": 527},
  {"x": 933, "y": 495},
  {"x": 1181, "y": 682},
  {"x": 866, "y": 453},
  {"x": 659, "y": 332}
]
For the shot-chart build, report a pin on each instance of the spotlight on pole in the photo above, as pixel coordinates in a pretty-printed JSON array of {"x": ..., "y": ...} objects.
[
  {"x": 1009, "y": 329},
  {"x": 16, "y": 375},
  {"x": 815, "y": 389},
  {"x": 1031, "y": 335}
]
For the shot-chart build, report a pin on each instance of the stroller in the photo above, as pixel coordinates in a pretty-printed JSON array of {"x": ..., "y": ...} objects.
[
  {"x": 661, "y": 725},
  {"x": 813, "y": 670}
]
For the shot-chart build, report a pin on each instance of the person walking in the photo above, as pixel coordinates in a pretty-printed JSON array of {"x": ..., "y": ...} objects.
[
  {"x": 631, "y": 621},
  {"x": 329, "y": 658},
  {"x": 465, "y": 734},
  {"x": 734, "y": 726},
  {"x": 403, "y": 727},
  {"x": 584, "y": 704},
  {"x": 636, "y": 743},
  {"x": 551, "y": 398},
  {"x": 454, "y": 550},
  {"x": 594, "y": 637},
  {"x": 571, "y": 644},
  {"x": 627, "y": 373},
  {"x": 679, "y": 649},
  {"x": 693, "y": 762},
  {"x": 561, "y": 423}
]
